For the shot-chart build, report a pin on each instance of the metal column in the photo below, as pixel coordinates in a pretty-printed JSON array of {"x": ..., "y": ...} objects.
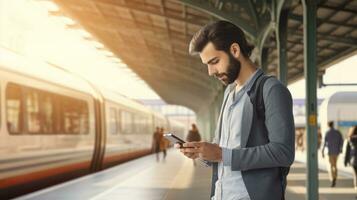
[
  {"x": 264, "y": 59},
  {"x": 310, "y": 70},
  {"x": 281, "y": 33}
]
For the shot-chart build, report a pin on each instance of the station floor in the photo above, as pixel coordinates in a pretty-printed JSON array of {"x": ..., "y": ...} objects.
[{"x": 176, "y": 178}]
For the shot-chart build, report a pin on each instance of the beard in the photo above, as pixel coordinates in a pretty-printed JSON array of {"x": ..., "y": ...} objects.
[{"x": 232, "y": 73}]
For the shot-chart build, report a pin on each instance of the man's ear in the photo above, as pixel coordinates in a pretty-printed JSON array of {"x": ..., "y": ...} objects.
[{"x": 235, "y": 50}]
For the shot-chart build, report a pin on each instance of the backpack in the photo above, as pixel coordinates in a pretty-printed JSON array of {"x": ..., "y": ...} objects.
[{"x": 257, "y": 100}]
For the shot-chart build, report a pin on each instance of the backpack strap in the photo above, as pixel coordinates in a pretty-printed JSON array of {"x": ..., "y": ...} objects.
[{"x": 256, "y": 96}]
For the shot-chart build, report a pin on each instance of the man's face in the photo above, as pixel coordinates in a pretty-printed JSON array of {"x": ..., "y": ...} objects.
[{"x": 220, "y": 64}]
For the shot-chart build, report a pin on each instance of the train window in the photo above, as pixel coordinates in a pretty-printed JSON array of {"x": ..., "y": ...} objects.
[
  {"x": 38, "y": 112},
  {"x": 146, "y": 125},
  {"x": 113, "y": 126},
  {"x": 75, "y": 116},
  {"x": 32, "y": 114},
  {"x": 138, "y": 123},
  {"x": 142, "y": 125},
  {"x": 57, "y": 114},
  {"x": 119, "y": 122},
  {"x": 47, "y": 111},
  {"x": 136, "y": 126},
  {"x": 127, "y": 122},
  {"x": 84, "y": 117},
  {"x": 14, "y": 109}
]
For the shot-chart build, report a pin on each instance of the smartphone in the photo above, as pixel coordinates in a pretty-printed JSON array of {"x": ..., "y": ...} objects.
[{"x": 174, "y": 139}]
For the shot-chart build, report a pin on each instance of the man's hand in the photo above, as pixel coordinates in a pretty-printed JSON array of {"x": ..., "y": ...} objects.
[
  {"x": 206, "y": 151},
  {"x": 189, "y": 155}
]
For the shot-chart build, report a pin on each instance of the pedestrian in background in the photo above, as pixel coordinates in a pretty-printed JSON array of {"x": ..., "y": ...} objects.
[
  {"x": 156, "y": 139},
  {"x": 351, "y": 153},
  {"x": 193, "y": 136},
  {"x": 164, "y": 143},
  {"x": 334, "y": 143}
]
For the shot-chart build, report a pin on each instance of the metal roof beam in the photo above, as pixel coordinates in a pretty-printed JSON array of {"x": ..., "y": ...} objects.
[
  {"x": 253, "y": 13},
  {"x": 348, "y": 41},
  {"x": 339, "y": 9},
  {"x": 299, "y": 18},
  {"x": 132, "y": 7},
  {"x": 234, "y": 18}
]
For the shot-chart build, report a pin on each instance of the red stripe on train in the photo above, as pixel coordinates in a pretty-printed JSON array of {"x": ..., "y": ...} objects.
[
  {"x": 35, "y": 176},
  {"x": 27, "y": 178}
]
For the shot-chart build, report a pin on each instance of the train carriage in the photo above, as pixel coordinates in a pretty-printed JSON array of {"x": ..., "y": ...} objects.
[{"x": 55, "y": 126}]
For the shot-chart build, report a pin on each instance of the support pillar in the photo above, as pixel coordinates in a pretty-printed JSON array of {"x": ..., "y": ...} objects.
[
  {"x": 310, "y": 70},
  {"x": 281, "y": 39},
  {"x": 264, "y": 59}
]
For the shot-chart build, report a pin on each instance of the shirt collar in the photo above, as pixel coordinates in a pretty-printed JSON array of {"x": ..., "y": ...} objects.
[{"x": 249, "y": 83}]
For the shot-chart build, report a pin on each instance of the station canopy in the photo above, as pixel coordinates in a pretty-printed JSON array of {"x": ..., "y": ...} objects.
[{"x": 152, "y": 37}]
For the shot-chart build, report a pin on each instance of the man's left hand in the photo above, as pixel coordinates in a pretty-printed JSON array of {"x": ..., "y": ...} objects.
[{"x": 207, "y": 151}]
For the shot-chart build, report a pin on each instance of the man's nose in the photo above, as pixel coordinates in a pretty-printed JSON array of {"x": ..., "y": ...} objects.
[{"x": 211, "y": 70}]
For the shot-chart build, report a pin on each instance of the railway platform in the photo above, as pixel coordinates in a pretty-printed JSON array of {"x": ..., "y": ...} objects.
[{"x": 176, "y": 178}]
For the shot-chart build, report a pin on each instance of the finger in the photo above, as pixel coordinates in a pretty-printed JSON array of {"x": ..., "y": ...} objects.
[
  {"x": 192, "y": 144},
  {"x": 200, "y": 155},
  {"x": 194, "y": 156},
  {"x": 188, "y": 154},
  {"x": 190, "y": 150},
  {"x": 191, "y": 155}
]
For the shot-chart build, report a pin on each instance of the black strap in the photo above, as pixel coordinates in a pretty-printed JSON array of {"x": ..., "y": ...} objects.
[{"x": 256, "y": 95}]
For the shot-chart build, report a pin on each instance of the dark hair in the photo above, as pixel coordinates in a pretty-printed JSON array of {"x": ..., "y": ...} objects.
[
  {"x": 330, "y": 124},
  {"x": 222, "y": 34}
]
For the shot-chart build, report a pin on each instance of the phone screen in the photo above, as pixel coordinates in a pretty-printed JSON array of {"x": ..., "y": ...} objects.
[{"x": 174, "y": 139}]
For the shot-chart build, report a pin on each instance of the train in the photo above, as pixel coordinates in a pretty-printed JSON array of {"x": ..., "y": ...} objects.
[{"x": 56, "y": 126}]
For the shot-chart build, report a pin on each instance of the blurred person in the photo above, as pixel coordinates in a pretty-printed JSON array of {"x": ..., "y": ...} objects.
[
  {"x": 334, "y": 143},
  {"x": 253, "y": 146},
  {"x": 193, "y": 136},
  {"x": 163, "y": 143},
  {"x": 300, "y": 139},
  {"x": 351, "y": 153},
  {"x": 156, "y": 141},
  {"x": 319, "y": 138}
]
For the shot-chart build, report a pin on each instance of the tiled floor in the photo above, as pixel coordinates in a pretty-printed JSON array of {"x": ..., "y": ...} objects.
[{"x": 174, "y": 179}]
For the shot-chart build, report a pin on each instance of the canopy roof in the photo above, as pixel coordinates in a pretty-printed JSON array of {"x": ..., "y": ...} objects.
[{"x": 152, "y": 37}]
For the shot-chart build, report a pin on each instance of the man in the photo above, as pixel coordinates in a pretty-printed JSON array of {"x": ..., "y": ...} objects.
[
  {"x": 163, "y": 143},
  {"x": 156, "y": 143},
  {"x": 334, "y": 143},
  {"x": 247, "y": 153}
]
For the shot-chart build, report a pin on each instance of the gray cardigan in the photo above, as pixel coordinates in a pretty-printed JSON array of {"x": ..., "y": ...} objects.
[{"x": 265, "y": 147}]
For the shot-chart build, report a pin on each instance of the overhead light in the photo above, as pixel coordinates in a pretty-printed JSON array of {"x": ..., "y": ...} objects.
[
  {"x": 84, "y": 34},
  {"x": 108, "y": 53},
  {"x": 116, "y": 60},
  {"x": 64, "y": 20},
  {"x": 97, "y": 45},
  {"x": 67, "y": 20}
]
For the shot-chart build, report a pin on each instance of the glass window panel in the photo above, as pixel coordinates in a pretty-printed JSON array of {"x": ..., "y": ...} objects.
[
  {"x": 14, "y": 109},
  {"x": 32, "y": 114}
]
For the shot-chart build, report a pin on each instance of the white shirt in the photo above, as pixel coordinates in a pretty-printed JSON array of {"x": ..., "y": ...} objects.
[{"x": 230, "y": 184}]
